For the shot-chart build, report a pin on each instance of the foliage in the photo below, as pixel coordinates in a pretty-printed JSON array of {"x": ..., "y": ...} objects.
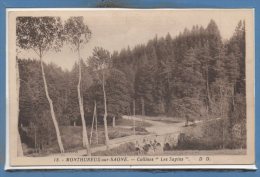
[
  {"x": 194, "y": 75},
  {"x": 76, "y": 32},
  {"x": 40, "y": 34}
]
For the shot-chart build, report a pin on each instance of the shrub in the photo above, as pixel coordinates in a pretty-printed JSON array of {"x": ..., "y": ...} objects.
[{"x": 124, "y": 149}]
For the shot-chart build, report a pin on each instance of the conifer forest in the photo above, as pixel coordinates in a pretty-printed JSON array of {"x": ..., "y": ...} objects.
[{"x": 189, "y": 89}]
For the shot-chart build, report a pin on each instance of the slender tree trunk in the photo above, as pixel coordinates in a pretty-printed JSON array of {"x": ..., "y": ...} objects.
[
  {"x": 19, "y": 143},
  {"x": 91, "y": 131},
  {"x": 207, "y": 110},
  {"x": 95, "y": 112},
  {"x": 233, "y": 110},
  {"x": 187, "y": 121},
  {"x": 92, "y": 126},
  {"x": 51, "y": 108},
  {"x": 241, "y": 135},
  {"x": 207, "y": 88},
  {"x": 142, "y": 102},
  {"x": 233, "y": 96},
  {"x": 134, "y": 115},
  {"x": 35, "y": 138},
  {"x": 81, "y": 108},
  {"x": 222, "y": 117},
  {"x": 114, "y": 121},
  {"x": 105, "y": 107}
]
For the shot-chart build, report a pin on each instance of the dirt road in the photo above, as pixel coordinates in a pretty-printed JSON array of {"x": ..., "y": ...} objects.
[{"x": 158, "y": 128}]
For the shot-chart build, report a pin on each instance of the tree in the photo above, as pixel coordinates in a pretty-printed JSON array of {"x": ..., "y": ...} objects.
[
  {"x": 118, "y": 93},
  {"x": 100, "y": 61},
  {"x": 236, "y": 47},
  {"x": 205, "y": 60},
  {"x": 192, "y": 84},
  {"x": 41, "y": 34},
  {"x": 166, "y": 66},
  {"x": 77, "y": 34},
  {"x": 235, "y": 70},
  {"x": 232, "y": 72},
  {"x": 144, "y": 88},
  {"x": 175, "y": 77},
  {"x": 221, "y": 92},
  {"x": 94, "y": 121}
]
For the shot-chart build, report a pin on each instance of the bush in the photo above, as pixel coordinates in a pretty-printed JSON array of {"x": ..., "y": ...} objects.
[
  {"x": 122, "y": 150},
  {"x": 139, "y": 129},
  {"x": 205, "y": 136},
  {"x": 198, "y": 143},
  {"x": 213, "y": 134}
]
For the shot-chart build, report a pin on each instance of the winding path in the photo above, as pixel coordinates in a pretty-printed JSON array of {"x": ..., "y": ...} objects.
[{"x": 157, "y": 128}]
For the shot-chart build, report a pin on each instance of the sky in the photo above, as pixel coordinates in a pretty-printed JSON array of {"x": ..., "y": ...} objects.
[{"x": 117, "y": 29}]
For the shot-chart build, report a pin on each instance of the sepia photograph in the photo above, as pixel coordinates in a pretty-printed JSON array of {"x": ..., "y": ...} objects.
[{"x": 121, "y": 87}]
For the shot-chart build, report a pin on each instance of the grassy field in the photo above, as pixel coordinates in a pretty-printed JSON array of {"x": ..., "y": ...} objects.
[
  {"x": 163, "y": 119},
  {"x": 126, "y": 122},
  {"x": 128, "y": 149},
  {"x": 72, "y": 138}
]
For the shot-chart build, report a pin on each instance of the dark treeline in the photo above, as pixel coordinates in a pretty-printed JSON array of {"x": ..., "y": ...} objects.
[
  {"x": 195, "y": 75},
  {"x": 188, "y": 69}
]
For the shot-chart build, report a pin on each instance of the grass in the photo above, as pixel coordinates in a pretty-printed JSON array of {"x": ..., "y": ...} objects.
[
  {"x": 127, "y": 122},
  {"x": 163, "y": 119},
  {"x": 194, "y": 130},
  {"x": 72, "y": 139},
  {"x": 126, "y": 149},
  {"x": 207, "y": 152},
  {"x": 197, "y": 129}
]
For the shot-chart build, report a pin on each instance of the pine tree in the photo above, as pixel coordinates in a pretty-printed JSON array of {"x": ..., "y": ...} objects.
[{"x": 191, "y": 85}]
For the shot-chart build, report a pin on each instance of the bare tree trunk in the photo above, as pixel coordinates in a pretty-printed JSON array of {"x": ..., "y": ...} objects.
[
  {"x": 187, "y": 120},
  {"x": 241, "y": 135},
  {"x": 222, "y": 117},
  {"x": 95, "y": 112},
  {"x": 81, "y": 108},
  {"x": 233, "y": 109},
  {"x": 92, "y": 125},
  {"x": 207, "y": 110},
  {"x": 233, "y": 96},
  {"x": 134, "y": 115},
  {"x": 35, "y": 138},
  {"x": 105, "y": 114},
  {"x": 114, "y": 121},
  {"x": 207, "y": 88},
  {"x": 19, "y": 143},
  {"x": 91, "y": 131},
  {"x": 51, "y": 108},
  {"x": 142, "y": 102}
]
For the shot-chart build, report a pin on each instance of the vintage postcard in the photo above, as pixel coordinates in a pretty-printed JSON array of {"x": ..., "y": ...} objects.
[{"x": 130, "y": 88}]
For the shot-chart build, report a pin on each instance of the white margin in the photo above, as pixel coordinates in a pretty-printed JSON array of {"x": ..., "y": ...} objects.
[
  {"x": 133, "y": 167},
  {"x": 125, "y": 167},
  {"x": 7, "y": 157}
]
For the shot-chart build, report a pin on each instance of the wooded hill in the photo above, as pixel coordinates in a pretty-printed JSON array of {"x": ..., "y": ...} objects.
[{"x": 195, "y": 75}]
